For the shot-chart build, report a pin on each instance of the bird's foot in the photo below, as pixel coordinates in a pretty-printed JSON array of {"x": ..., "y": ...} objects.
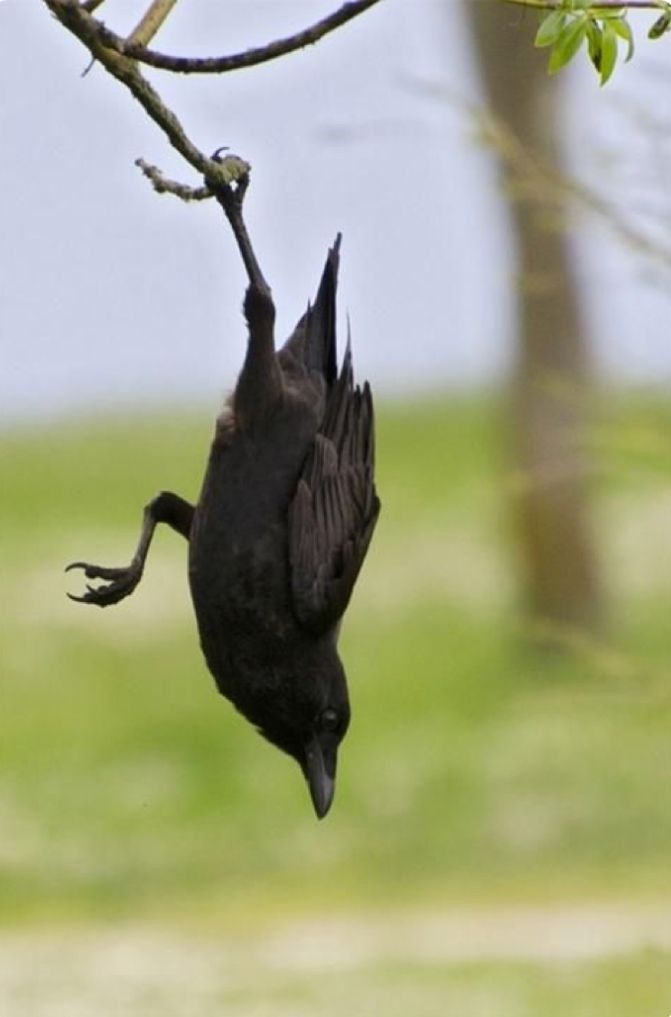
[
  {"x": 232, "y": 189},
  {"x": 120, "y": 583}
]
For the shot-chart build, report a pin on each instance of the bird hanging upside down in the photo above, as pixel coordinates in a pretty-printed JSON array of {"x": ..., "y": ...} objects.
[{"x": 280, "y": 531}]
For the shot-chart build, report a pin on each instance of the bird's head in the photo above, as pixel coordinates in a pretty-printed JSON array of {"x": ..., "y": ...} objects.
[{"x": 307, "y": 715}]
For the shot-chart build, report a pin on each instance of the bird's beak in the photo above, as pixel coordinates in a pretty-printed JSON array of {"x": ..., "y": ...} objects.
[{"x": 320, "y": 769}]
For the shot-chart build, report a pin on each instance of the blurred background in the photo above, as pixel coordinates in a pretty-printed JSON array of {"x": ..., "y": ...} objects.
[{"x": 500, "y": 838}]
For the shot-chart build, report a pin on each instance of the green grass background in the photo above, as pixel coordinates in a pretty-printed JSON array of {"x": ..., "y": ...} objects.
[{"x": 476, "y": 770}]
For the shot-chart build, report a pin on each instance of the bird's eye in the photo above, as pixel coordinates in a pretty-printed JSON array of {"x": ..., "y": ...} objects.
[{"x": 329, "y": 720}]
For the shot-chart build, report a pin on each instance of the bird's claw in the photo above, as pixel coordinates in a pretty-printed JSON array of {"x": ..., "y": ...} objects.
[
  {"x": 120, "y": 582},
  {"x": 231, "y": 193}
]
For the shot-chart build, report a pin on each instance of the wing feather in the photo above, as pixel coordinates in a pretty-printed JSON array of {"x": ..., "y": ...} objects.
[{"x": 335, "y": 507}]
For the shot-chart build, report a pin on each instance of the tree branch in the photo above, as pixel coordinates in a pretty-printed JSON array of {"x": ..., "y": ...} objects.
[
  {"x": 151, "y": 21},
  {"x": 89, "y": 31},
  {"x": 121, "y": 58},
  {"x": 603, "y": 5},
  {"x": 162, "y": 185},
  {"x": 237, "y": 61}
]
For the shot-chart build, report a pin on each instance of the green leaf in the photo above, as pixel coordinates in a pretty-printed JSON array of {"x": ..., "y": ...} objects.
[
  {"x": 622, "y": 28},
  {"x": 608, "y": 51},
  {"x": 661, "y": 26},
  {"x": 594, "y": 43},
  {"x": 550, "y": 29},
  {"x": 568, "y": 44}
]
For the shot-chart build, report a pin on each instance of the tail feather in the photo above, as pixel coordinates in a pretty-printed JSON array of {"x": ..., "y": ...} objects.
[{"x": 320, "y": 324}]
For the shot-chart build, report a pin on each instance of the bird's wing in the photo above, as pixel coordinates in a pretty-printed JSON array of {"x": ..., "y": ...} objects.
[{"x": 335, "y": 507}]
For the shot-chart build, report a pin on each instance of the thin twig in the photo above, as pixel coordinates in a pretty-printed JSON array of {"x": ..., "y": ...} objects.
[
  {"x": 151, "y": 21},
  {"x": 249, "y": 58},
  {"x": 162, "y": 185}
]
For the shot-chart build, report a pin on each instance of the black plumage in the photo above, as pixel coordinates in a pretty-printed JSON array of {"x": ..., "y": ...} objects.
[{"x": 281, "y": 528}]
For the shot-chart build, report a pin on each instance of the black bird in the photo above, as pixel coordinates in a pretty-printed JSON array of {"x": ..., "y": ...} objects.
[{"x": 284, "y": 519}]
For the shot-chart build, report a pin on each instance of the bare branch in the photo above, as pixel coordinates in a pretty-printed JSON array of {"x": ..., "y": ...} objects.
[
  {"x": 225, "y": 179},
  {"x": 249, "y": 58},
  {"x": 89, "y": 31},
  {"x": 162, "y": 185},
  {"x": 149, "y": 24}
]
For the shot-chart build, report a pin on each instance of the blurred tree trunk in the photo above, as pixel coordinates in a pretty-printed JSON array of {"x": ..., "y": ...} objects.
[{"x": 552, "y": 366}]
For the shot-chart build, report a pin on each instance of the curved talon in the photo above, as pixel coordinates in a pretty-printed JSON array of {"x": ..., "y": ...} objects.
[
  {"x": 120, "y": 583},
  {"x": 87, "y": 599},
  {"x": 90, "y": 571}
]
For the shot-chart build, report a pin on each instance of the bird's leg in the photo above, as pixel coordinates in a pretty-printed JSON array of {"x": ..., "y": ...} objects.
[
  {"x": 164, "y": 508},
  {"x": 231, "y": 197},
  {"x": 260, "y": 381}
]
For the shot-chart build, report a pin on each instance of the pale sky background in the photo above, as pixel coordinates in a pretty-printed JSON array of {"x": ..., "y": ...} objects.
[{"x": 112, "y": 295}]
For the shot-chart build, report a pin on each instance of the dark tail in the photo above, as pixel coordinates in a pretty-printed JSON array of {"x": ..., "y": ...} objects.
[{"x": 320, "y": 337}]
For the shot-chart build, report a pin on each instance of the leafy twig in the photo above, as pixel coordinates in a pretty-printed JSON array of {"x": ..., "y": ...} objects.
[
  {"x": 604, "y": 5},
  {"x": 598, "y": 24}
]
